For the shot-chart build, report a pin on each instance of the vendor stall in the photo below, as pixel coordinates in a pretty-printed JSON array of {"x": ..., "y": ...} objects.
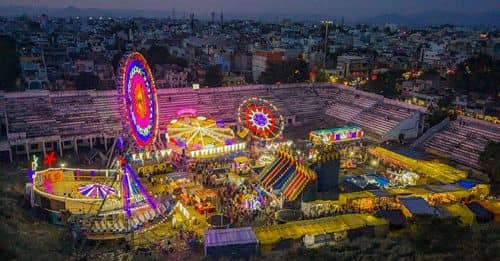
[{"x": 233, "y": 243}]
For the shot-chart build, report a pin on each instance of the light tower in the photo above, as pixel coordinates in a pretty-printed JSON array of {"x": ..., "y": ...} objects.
[{"x": 326, "y": 23}]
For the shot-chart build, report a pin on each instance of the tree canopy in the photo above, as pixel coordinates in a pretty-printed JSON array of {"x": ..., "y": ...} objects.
[
  {"x": 288, "y": 71},
  {"x": 385, "y": 84},
  {"x": 159, "y": 55},
  {"x": 213, "y": 76},
  {"x": 86, "y": 81},
  {"x": 476, "y": 74},
  {"x": 490, "y": 163},
  {"x": 10, "y": 69}
]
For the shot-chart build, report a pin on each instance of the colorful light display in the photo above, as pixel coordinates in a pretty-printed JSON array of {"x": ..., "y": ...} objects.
[
  {"x": 96, "y": 190},
  {"x": 346, "y": 133},
  {"x": 137, "y": 88},
  {"x": 197, "y": 133},
  {"x": 50, "y": 159},
  {"x": 133, "y": 191},
  {"x": 261, "y": 118}
]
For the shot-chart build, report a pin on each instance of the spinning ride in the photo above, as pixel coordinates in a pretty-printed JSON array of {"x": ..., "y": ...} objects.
[
  {"x": 139, "y": 100},
  {"x": 201, "y": 136},
  {"x": 261, "y": 118}
]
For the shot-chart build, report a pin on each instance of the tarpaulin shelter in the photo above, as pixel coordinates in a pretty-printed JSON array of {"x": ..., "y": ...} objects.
[
  {"x": 482, "y": 214},
  {"x": 432, "y": 169},
  {"x": 395, "y": 217},
  {"x": 493, "y": 206},
  {"x": 459, "y": 210},
  {"x": 416, "y": 206},
  {"x": 270, "y": 236},
  {"x": 231, "y": 242}
]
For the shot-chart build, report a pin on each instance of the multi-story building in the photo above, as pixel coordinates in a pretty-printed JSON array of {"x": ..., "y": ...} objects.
[
  {"x": 349, "y": 66},
  {"x": 261, "y": 59}
]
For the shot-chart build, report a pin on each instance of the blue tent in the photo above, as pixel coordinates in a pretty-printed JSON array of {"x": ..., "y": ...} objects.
[
  {"x": 467, "y": 183},
  {"x": 482, "y": 215},
  {"x": 417, "y": 206},
  {"x": 232, "y": 242}
]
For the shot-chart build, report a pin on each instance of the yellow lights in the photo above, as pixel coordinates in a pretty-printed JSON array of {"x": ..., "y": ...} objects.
[
  {"x": 333, "y": 79},
  {"x": 196, "y": 86},
  {"x": 34, "y": 163},
  {"x": 276, "y": 145},
  {"x": 374, "y": 163},
  {"x": 217, "y": 150},
  {"x": 148, "y": 155},
  {"x": 196, "y": 133},
  {"x": 63, "y": 165}
]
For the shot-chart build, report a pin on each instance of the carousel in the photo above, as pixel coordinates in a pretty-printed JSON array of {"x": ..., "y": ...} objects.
[{"x": 201, "y": 137}]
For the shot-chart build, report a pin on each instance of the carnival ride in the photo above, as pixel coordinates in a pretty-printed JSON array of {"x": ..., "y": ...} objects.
[
  {"x": 139, "y": 102},
  {"x": 201, "y": 137},
  {"x": 261, "y": 119},
  {"x": 286, "y": 175},
  {"x": 133, "y": 208},
  {"x": 346, "y": 133}
]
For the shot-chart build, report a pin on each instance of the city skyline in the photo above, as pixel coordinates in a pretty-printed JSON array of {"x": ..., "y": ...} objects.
[{"x": 351, "y": 10}]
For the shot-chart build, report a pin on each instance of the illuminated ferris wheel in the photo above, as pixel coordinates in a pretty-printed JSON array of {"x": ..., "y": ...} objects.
[
  {"x": 261, "y": 118},
  {"x": 139, "y": 100}
]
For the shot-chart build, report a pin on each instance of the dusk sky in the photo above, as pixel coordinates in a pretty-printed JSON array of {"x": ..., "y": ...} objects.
[{"x": 349, "y": 8}]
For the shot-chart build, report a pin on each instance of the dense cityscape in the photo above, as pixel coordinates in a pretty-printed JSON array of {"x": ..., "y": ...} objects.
[{"x": 191, "y": 138}]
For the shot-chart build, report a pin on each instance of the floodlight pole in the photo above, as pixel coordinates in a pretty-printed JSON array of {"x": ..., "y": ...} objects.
[{"x": 326, "y": 23}]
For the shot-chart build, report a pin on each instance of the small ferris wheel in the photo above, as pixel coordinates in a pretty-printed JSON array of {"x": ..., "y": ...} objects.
[{"x": 261, "y": 118}]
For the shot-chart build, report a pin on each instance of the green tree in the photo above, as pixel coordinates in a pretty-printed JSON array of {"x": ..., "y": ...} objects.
[
  {"x": 476, "y": 74},
  {"x": 439, "y": 112},
  {"x": 10, "y": 69},
  {"x": 321, "y": 76},
  {"x": 86, "y": 81},
  {"x": 490, "y": 163},
  {"x": 385, "y": 84},
  {"x": 213, "y": 76},
  {"x": 160, "y": 55},
  {"x": 289, "y": 71}
]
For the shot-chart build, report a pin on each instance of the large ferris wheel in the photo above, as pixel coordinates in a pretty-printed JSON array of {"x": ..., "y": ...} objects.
[
  {"x": 138, "y": 98},
  {"x": 261, "y": 118}
]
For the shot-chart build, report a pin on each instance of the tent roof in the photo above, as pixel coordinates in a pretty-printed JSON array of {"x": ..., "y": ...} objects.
[
  {"x": 395, "y": 216},
  {"x": 230, "y": 236},
  {"x": 461, "y": 211},
  {"x": 417, "y": 205},
  {"x": 480, "y": 211}
]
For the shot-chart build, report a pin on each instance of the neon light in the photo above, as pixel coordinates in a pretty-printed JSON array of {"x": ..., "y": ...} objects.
[
  {"x": 50, "y": 159},
  {"x": 140, "y": 98},
  {"x": 187, "y": 111},
  {"x": 345, "y": 133},
  {"x": 96, "y": 190},
  {"x": 133, "y": 189},
  {"x": 261, "y": 118},
  {"x": 31, "y": 175}
]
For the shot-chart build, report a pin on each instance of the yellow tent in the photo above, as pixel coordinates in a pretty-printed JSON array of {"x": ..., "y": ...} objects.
[
  {"x": 493, "y": 206},
  {"x": 431, "y": 169},
  {"x": 460, "y": 210},
  {"x": 270, "y": 236}
]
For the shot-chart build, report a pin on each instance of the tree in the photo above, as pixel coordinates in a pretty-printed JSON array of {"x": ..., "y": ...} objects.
[
  {"x": 289, "y": 71},
  {"x": 10, "y": 69},
  {"x": 476, "y": 74},
  {"x": 86, "y": 81},
  {"x": 385, "y": 84},
  {"x": 213, "y": 76},
  {"x": 321, "y": 76},
  {"x": 160, "y": 55},
  {"x": 489, "y": 160}
]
